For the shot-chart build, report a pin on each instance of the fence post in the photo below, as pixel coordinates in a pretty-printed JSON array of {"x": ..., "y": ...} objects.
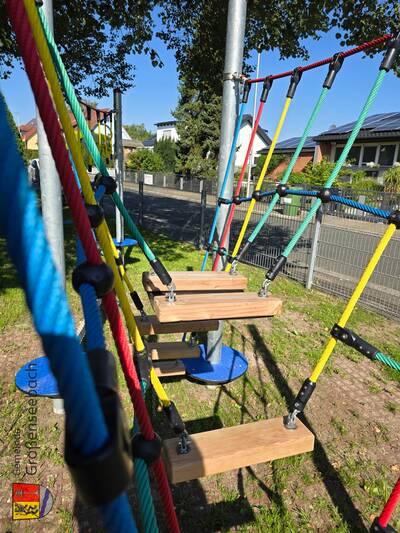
[
  {"x": 314, "y": 248},
  {"x": 164, "y": 184},
  {"x": 181, "y": 184},
  {"x": 203, "y": 207},
  {"x": 141, "y": 202}
]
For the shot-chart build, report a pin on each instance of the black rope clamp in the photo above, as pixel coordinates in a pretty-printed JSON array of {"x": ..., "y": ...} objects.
[
  {"x": 174, "y": 418},
  {"x": 223, "y": 201},
  {"x": 294, "y": 81},
  {"x": 280, "y": 262},
  {"x": 237, "y": 200},
  {"x": 266, "y": 88},
  {"x": 95, "y": 214},
  {"x": 394, "y": 218},
  {"x": 148, "y": 450},
  {"x": 143, "y": 365},
  {"x": 101, "y": 477},
  {"x": 377, "y": 528},
  {"x": 391, "y": 54},
  {"x": 282, "y": 190},
  {"x": 353, "y": 340},
  {"x": 256, "y": 196},
  {"x": 334, "y": 66},
  {"x": 246, "y": 92},
  {"x": 222, "y": 252},
  {"x": 161, "y": 271},
  {"x": 100, "y": 277},
  {"x": 304, "y": 395},
  {"x": 109, "y": 183},
  {"x": 324, "y": 195}
]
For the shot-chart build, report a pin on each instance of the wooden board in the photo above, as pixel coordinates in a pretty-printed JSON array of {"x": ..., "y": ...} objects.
[
  {"x": 197, "y": 281},
  {"x": 153, "y": 326},
  {"x": 167, "y": 369},
  {"x": 215, "y": 306},
  {"x": 160, "y": 351},
  {"x": 235, "y": 447}
]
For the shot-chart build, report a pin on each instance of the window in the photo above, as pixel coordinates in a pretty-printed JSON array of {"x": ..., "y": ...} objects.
[
  {"x": 353, "y": 156},
  {"x": 167, "y": 134},
  {"x": 369, "y": 154},
  {"x": 386, "y": 154}
]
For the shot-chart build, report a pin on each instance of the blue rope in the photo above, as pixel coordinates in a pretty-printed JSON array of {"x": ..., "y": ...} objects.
[
  {"x": 22, "y": 226},
  {"x": 362, "y": 207},
  {"x": 224, "y": 183},
  {"x": 300, "y": 192}
]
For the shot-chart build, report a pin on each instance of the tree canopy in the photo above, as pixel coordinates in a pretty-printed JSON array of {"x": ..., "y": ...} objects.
[
  {"x": 138, "y": 131},
  {"x": 110, "y": 31},
  {"x": 145, "y": 160}
]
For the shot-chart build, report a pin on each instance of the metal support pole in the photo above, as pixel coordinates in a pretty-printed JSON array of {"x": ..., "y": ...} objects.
[
  {"x": 251, "y": 158},
  {"x": 119, "y": 162},
  {"x": 203, "y": 207},
  {"x": 314, "y": 248},
  {"x": 230, "y": 109},
  {"x": 141, "y": 201},
  {"x": 51, "y": 196}
]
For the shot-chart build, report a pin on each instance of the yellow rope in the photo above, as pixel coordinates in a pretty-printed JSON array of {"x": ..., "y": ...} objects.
[
  {"x": 260, "y": 180},
  {"x": 102, "y": 232},
  {"x": 369, "y": 269}
]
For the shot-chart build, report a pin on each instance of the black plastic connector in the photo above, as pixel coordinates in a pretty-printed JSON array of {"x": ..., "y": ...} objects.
[
  {"x": 280, "y": 262},
  {"x": 118, "y": 260},
  {"x": 237, "y": 200},
  {"x": 148, "y": 450},
  {"x": 353, "y": 340},
  {"x": 100, "y": 276},
  {"x": 294, "y": 81},
  {"x": 266, "y": 88},
  {"x": 223, "y": 201},
  {"x": 391, "y": 54},
  {"x": 222, "y": 252},
  {"x": 334, "y": 66},
  {"x": 246, "y": 92},
  {"x": 174, "y": 418},
  {"x": 394, "y": 218},
  {"x": 282, "y": 190},
  {"x": 95, "y": 214},
  {"x": 377, "y": 528},
  {"x": 161, "y": 272},
  {"x": 143, "y": 365},
  {"x": 304, "y": 395},
  {"x": 256, "y": 196},
  {"x": 324, "y": 195},
  {"x": 109, "y": 183},
  {"x": 100, "y": 478},
  {"x": 137, "y": 301},
  {"x": 243, "y": 251}
]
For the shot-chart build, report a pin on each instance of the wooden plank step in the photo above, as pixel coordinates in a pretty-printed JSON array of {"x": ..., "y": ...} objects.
[
  {"x": 197, "y": 281},
  {"x": 215, "y": 306},
  {"x": 226, "y": 449},
  {"x": 167, "y": 369},
  {"x": 160, "y": 351},
  {"x": 153, "y": 326}
]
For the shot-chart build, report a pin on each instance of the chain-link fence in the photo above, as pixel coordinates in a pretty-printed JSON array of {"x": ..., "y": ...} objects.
[{"x": 330, "y": 256}]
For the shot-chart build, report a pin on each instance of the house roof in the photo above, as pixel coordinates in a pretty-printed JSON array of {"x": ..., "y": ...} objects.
[
  {"x": 132, "y": 143},
  {"x": 376, "y": 126},
  {"x": 289, "y": 145},
  {"x": 248, "y": 119},
  {"x": 166, "y": 123},
  {"x": 151, "y": 141},
  {"x": 28, "y": 130}
]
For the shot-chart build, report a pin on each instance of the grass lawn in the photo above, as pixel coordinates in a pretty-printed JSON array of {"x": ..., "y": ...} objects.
[{"x": 354, "y": 414}]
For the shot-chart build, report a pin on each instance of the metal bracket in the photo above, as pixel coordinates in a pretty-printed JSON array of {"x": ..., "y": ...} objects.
[
  {"x": 183, "y": 446},
  {"x": 233, "y": 270},
  {"x": 235, "y": 76},
  {"x": 263, "y": 292},
  {"x": 290, "y": 420},
  {"x": 170, "y": 295}
]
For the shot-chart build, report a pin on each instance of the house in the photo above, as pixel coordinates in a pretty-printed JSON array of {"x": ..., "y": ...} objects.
[
  {"x": 167, "y": 130},
  {"x": 376, "y": 147},
  {"x": 28, "y": 133},
  {"x": 288, "y": 148}
]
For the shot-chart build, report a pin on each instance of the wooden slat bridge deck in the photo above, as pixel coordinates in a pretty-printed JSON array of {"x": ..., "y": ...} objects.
[
  {"x": 152, "y": 326},
  {"x": 194, "y": 281},
  {"x": 161, "y": 351}
]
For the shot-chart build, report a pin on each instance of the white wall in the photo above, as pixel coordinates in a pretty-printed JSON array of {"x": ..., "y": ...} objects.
[
  {"x": 243, "y": 143},
  {"x": 167, "y": 132}
]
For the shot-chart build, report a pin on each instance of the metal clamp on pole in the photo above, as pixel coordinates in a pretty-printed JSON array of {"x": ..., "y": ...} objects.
[
  {"x": 391, "y": 54},
  {"x": 353, "y": 340}
]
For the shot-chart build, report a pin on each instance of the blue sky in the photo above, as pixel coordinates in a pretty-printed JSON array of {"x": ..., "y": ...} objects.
[{"x": 156, "y": 92}]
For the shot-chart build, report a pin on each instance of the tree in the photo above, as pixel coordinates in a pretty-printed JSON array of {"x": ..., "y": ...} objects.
[
  {"x": 391, "y": 179},
  {"x": 145, "y": 160},
  {"x": 166, "y": 148},
  {"x": 138, "y": 131},
  {"x": 13, "y": 126},
  {"x": 110, "y": 31},
  {"x": 318, "y": 173},
  {"x": 198, "y": 123}
]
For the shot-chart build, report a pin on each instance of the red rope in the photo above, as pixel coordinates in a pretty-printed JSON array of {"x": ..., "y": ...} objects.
[
  {"x": 390, "y": 505},
  {"x": 316, "y": 64},
  {"x": 56, "y": 140},
  {"x": 232, "y": 207}
]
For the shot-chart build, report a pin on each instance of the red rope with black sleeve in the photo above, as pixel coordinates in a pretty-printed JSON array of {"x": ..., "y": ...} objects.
[
  {"x": 368, "y": 44},
  {"x": 56, "y": 141}
]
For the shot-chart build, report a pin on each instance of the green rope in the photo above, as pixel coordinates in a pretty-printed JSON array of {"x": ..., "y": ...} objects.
[
  {"x": 87, "y": 135},
  {"x": 289, "y": 169},
  {"x": 340, "y": 162},
  {"x": 388, "y": 361}
]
